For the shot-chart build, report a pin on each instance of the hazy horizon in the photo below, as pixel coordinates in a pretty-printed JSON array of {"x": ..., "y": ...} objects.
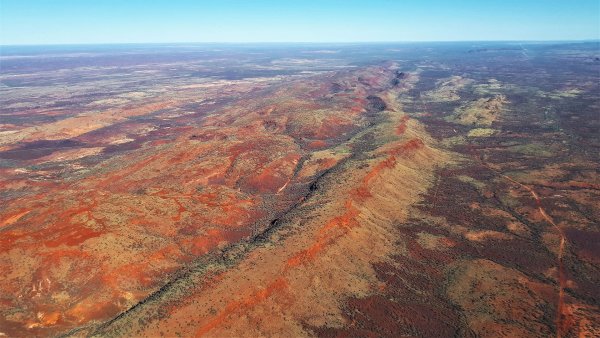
[{"x": 167, "y": 43}]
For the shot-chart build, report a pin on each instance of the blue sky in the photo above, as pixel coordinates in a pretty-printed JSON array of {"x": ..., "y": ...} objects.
[{"x": 125, "y": 21}]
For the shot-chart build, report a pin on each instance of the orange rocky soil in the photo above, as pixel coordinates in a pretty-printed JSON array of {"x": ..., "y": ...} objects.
[
  {"x": 320, "y": 254},
  {"x": 108, "y": 236}
]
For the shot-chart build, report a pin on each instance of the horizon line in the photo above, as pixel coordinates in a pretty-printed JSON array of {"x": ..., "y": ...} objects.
[{"x": 292, "y": 42}]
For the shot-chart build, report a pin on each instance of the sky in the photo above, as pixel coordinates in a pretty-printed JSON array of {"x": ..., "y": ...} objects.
[{"x": 169, "y": 21}]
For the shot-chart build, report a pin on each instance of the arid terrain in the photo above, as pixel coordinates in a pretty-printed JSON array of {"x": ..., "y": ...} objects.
[{"x": 371, "y": 190}]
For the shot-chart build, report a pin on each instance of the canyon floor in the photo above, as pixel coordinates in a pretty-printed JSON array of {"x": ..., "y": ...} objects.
[{"x": 331, "y": 190}]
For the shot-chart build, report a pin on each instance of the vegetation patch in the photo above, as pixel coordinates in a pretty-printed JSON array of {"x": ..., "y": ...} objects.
[
  {"x": 481, "y": 112},
  {"x": 481, "y": 132}
]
